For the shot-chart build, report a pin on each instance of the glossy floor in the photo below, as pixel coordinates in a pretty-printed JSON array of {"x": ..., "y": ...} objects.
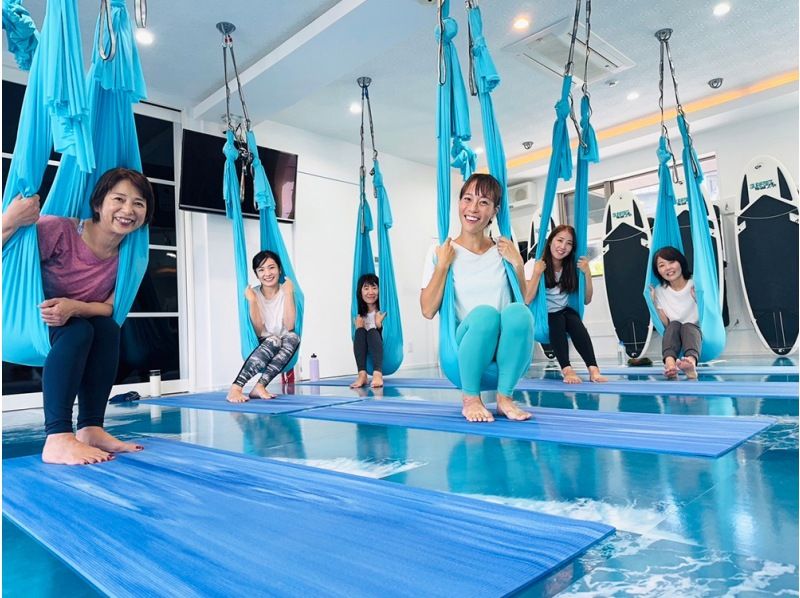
[{"x": 686, "y": 526}]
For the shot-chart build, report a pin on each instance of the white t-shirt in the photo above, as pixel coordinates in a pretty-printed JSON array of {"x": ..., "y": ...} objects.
[
  {"x": 556, "y": 298},
  {"x": 477, "y": 279},
  {"x": 369, "y": 320},
  {"x": 271, "y": 312},
  {"x": 678, "y": 306}
]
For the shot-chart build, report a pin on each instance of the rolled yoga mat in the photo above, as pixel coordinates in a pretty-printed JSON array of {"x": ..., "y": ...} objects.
[{"x": 183, "y": 520}]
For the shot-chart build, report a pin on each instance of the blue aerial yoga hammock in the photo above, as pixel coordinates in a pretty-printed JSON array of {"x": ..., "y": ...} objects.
[
  {"x": 452, "y": 133},
  {"x": 21, "y": 33},
  {"x": 561, "y": 169},
  {"x": 55, "y": 107},
  {"x": 271, "y": 238},
  {"x": 666, "y": 230},
  {"x": 364, "y": 263}
]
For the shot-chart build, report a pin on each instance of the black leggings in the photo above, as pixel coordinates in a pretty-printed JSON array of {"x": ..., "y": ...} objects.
[
  {"x": 268, "y": 358},
  {"x": 368, "y": 341},
  {"x": 83, "y": 360},
  {"x": 567, "y": 321}
]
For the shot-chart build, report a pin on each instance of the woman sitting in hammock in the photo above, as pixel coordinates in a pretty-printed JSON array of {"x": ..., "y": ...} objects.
[
  {"x": 79, "y": 261},
  {"x": 676, "y": 304},
  {"x": 490, "y": 327},
  {"x": 368, "y": 338},
  {"x": 273, "y": 313},
  {"x": 560, "y": 271}
]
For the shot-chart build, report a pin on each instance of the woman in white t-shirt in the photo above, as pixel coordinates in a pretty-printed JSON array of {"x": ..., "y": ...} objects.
[
  {"x": 676, "y": 304},
  {"x": 272, "y": 313},
  {"x": 559, "y": 267},
  {"x": 490, "y": 327},
  {"x": 368, "y": 337}
]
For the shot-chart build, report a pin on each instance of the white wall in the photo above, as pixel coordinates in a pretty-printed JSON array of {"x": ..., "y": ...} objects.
[
  {"x": 735, "y": 144},
  {"x": 321, "y": 242}
]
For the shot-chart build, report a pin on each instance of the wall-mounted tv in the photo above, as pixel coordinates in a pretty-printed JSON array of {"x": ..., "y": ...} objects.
[{"x": 202, "y": 170}]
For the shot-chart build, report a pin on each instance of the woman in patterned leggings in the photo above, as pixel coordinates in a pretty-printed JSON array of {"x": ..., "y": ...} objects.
[{"x": 272, "y": 312}]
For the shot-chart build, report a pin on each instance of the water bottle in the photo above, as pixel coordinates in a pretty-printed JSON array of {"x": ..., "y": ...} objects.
[
  {"x": 621, "y": 356},
  {"x": 313, "y": 367},
  {"x": 155, "y": 383}
]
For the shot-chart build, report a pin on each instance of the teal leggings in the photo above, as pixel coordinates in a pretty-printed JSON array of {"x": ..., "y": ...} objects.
[{"x": 488, "y": 335}]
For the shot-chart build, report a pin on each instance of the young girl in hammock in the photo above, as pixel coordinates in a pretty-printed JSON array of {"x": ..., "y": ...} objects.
[
  {"x": 368, "y": 338},
  {"x": 560, "y": 269},
  {"x": 674, "y": 300},
  {"x": 490, "y": 327},
  {"x": 272, "y": 313},
  {"x": 79, "y": 262}
]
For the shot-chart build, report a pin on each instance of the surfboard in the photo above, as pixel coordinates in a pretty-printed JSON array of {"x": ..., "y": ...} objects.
[
  {"x": 532, "y": 242},
  {"x": 766, "y": 246},
  {"x": 626, "y": 249},
  {"x": 714, "y": 225}
]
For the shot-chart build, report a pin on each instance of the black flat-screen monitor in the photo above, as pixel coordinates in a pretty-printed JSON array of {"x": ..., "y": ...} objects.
[{"x": 202, "y": 172}]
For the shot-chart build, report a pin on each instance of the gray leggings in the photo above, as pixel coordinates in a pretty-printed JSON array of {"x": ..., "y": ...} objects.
[
  {"x": 681, "y": 336},
  {"x": 269, "y": 358}
]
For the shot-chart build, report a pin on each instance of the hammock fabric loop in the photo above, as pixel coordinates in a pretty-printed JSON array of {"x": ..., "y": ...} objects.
[{"x": 21, "y": 33}]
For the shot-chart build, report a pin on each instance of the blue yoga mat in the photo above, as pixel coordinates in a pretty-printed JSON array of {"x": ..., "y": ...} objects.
[
  {"x": 182, "y": 520},
  {"x": 653, "y": 370},
  {"x": 215, "y": 401},
  {"x": 696, "y": 435},
  {"x": 622, "y": 387}
]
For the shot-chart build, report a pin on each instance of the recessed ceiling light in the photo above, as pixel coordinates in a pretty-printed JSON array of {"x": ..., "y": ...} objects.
[
  {"x": 521, "y": 23},
  {"x": 144, "y": 37},
  {"x": 355, "y": 108},
  {"x": 721, "y": 9},
  {"x": 479, "y": 150},
  {"x": 634, "y": 95}
]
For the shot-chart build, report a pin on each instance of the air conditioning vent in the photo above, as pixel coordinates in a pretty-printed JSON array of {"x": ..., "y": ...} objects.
[
  {"x": 522, "y": 195},
  {"x": 548, "y": 50}
]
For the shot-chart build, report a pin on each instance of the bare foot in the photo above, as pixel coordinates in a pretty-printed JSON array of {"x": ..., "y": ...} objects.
[
  {"x": 361, "y": 380},
  {"x": 569, "y": 375},
  {"x": 595, "y": 375},
  {"x": 97, "y": 437},
  {"x": 235, "y": 395},
  {"x": 65, "y": 449},
  {"x": 475, "y": 411},
  {"x": 377, "y": 379},
  {"x": 508, "y": 408},
  {"x": 670, "y": 368},
  {"x": 687, "y": 366},
  {"x": 260, "y": 392}
]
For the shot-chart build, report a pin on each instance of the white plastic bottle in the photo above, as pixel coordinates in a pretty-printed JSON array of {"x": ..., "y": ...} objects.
[
  {"x": 155, "y": 383},
  {"x": 313, "y": 367},
  {"x": 621, "y": 356}
]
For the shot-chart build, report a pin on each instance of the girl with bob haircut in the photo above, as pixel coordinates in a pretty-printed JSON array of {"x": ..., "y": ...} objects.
[
  {"x": 676, "y": 305},
  {"x": 79, "y": 264},
  {"x": 368, "y": 338}
]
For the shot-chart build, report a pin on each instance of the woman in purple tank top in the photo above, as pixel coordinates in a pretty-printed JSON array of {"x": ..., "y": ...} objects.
[{"x": 79, "y": 262}]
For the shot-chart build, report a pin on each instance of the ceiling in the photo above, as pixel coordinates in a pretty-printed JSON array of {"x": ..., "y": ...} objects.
[{"x": 300, "y": 60}]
